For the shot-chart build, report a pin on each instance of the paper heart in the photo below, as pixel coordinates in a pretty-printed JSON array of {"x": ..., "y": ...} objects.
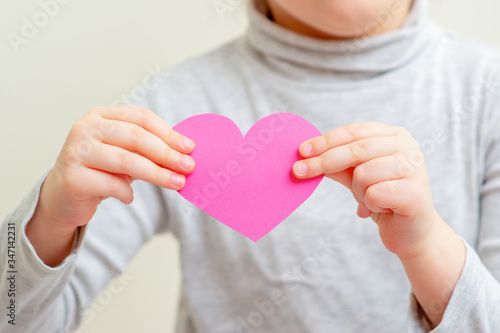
[{"x": 247, "y": 182}]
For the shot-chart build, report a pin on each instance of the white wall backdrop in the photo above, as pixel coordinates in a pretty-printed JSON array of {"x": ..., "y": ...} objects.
[{"x": 89, "y": 53}]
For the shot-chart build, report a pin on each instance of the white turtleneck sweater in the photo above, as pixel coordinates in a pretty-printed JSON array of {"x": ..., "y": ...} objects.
[{"x": 323, "y": 269}]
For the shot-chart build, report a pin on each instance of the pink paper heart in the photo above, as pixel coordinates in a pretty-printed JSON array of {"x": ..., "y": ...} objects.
[{"x": 247, "y": 182}]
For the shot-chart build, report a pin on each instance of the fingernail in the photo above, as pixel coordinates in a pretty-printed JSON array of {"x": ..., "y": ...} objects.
[
  {"x": 187, "y": 144},
  {"x": 186, "y": 163},
  {"x": 300, "y": 169},
  {"x": 177, "y": 180},
  {"x": 306, "y": 149}
]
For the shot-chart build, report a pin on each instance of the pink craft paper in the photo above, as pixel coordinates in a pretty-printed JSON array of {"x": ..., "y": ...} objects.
[{"x": 247, "y": 182}]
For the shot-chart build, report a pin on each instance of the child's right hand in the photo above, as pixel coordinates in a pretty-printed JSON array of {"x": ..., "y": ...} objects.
[{"x": 104, "y": 152}]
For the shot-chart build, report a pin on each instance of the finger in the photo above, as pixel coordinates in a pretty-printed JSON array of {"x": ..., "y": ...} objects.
[
  {"x": 400, "y": 196},
  {"x": 378, "y": 170},
  {"x": 118, "y": 160},
  {"x": 151, "y": 122},
  {"x": 344, "y": 135},
  {"x": 102, "y": 184},
  {"x": 363, "y": 211},
  {"x": 126, "y": 178},
  {"x": 349, "y": 155},
  {"x": 136, "y": 139},
  {"x": 343, "y": 177}
]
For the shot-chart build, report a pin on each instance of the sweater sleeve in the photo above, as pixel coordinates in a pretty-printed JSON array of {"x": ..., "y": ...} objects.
[
  {"x": 475, "y": 302},
  {"x": 37, "y": 298}
]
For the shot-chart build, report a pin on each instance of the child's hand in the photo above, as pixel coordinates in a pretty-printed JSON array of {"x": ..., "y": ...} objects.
[
  {"x": 104, "y": 152},
  {"x": 384, "y": 168}
]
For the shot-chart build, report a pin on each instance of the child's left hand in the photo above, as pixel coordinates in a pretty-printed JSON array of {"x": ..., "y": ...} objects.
[{"x": 384, "y": 168}]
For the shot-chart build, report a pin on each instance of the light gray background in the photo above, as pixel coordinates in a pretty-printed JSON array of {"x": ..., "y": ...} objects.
[{"x": 93, "y": 52}]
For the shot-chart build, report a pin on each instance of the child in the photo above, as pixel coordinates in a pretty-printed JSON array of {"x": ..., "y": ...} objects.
[{"x": 387, "y": 88}]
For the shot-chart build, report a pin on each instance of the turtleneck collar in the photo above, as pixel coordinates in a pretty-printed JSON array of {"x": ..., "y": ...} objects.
[{"x": 313, "y": 60}]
